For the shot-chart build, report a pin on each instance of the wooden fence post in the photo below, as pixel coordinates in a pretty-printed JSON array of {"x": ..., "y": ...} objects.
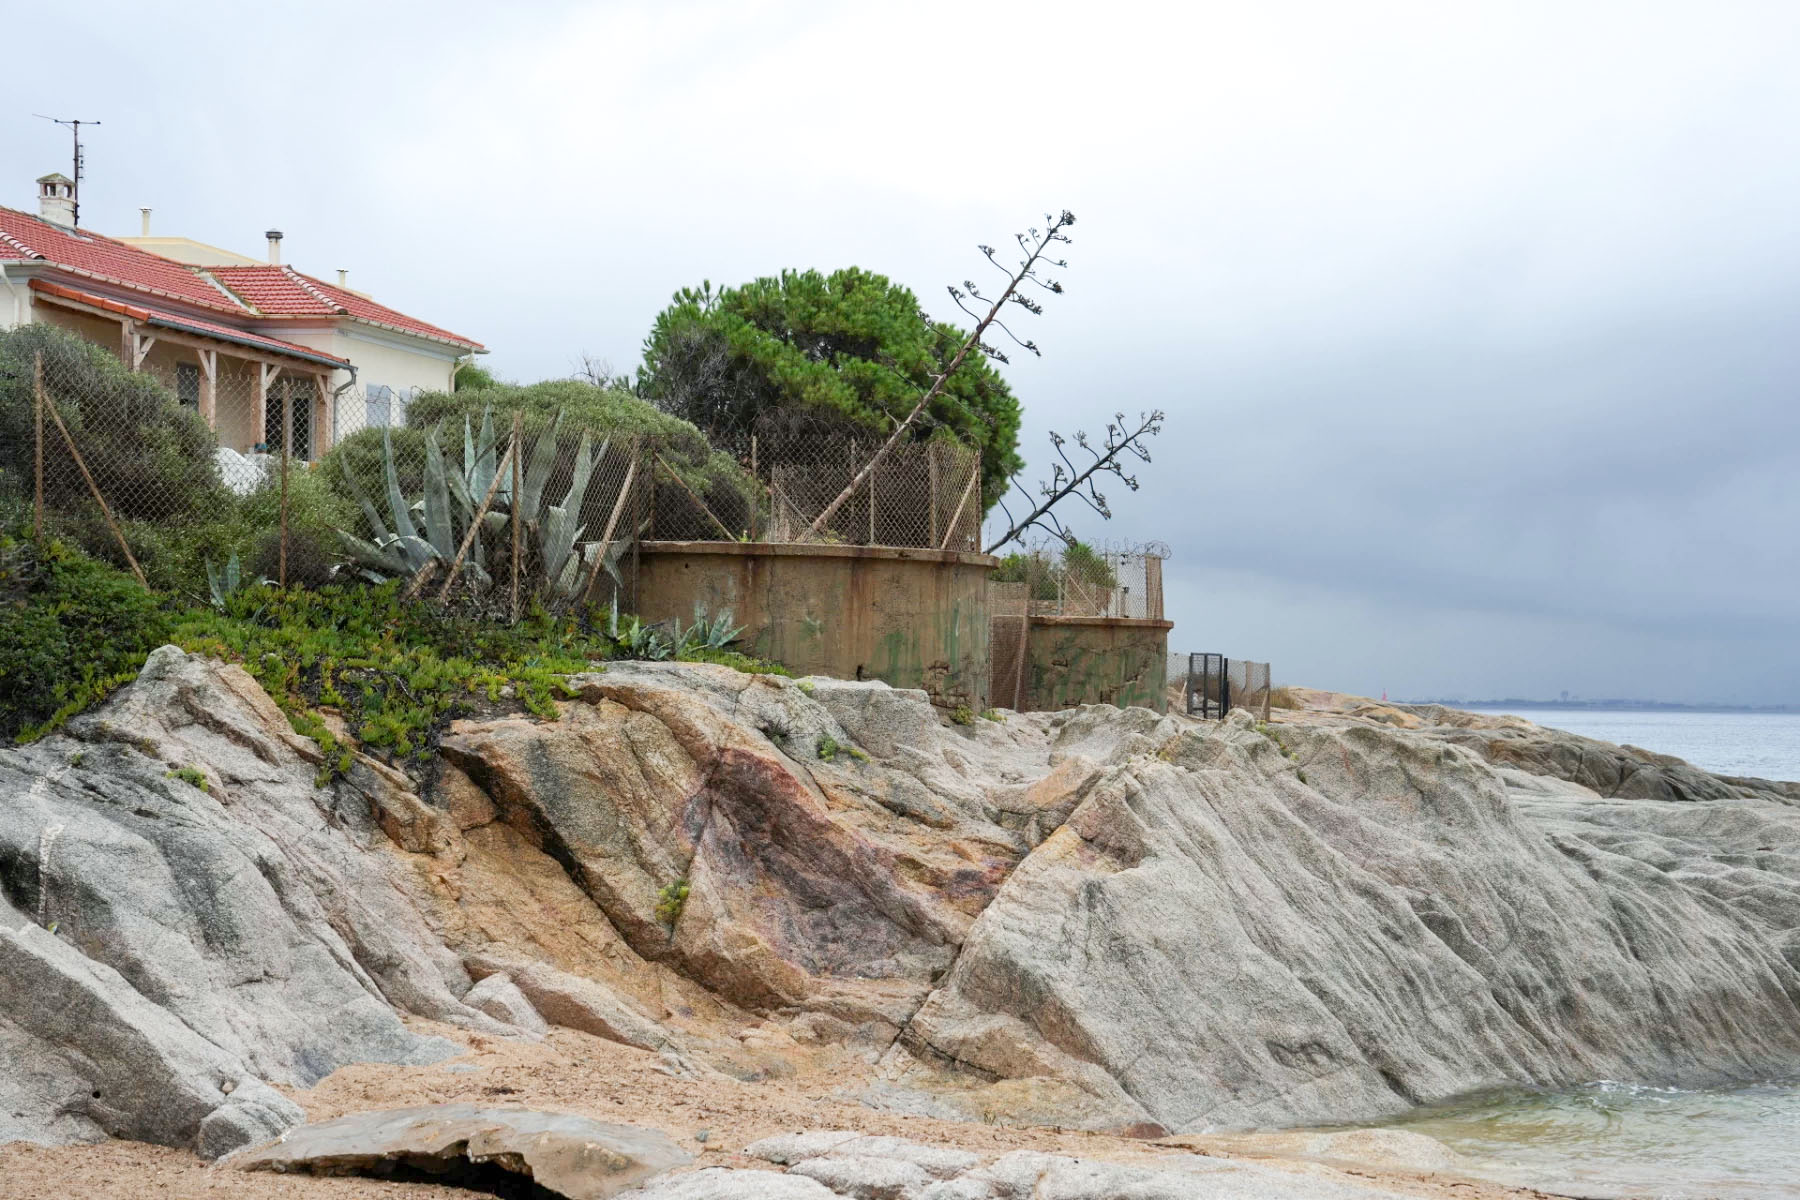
[
  {"x": 37, "y": 509},
  {"x": 517, "y": 487},
  {"x": 93, "y": 487},
  {"x": 287, "y": 452}
]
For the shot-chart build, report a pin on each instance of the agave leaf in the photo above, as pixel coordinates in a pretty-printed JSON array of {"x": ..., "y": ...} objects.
[
  {"x": 231, "y": 573},
  {"x": 556, "y": 539},
  {"x": 459, "y": 481},
  {"x": 215, "y": 584},
  {"x": 481, "y": 462},
  {"x": 613, "y": 554},
  {"x": 356, "y": 490},
  {"x": 371, "y": 555},
  {"x": 569, "y": 577},
  {"x": 403, "y": 525},
  {"x": 575, "y": 499},
  {"x": 537, "y": 471},
  {"x": 415, "y": 550},
  {"x": 440, "y": 530}
]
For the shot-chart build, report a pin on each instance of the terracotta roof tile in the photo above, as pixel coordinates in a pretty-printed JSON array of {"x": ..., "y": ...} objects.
[
  {"x": 281, "y": 291},
  {"x": 249, "y": 292},
  {"x": 23, "y": 236}
]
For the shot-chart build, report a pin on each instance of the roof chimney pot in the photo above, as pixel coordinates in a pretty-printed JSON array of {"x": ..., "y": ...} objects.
[
  {"x": 274, "y": 236},
  {"x": 344, "y": 277},
  {"x": 56, "y": 200},
  {"x": 146, "y": 229}
]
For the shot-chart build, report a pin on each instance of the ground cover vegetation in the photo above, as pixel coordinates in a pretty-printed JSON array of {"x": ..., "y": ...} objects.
[{"x": 392, "y": 672}]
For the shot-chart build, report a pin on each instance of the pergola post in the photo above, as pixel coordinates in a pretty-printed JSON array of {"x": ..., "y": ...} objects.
[
  {"x": 325, "y": 429},
  {"x": 209, "y": 386},
  {"x": 260, "y": 429}
]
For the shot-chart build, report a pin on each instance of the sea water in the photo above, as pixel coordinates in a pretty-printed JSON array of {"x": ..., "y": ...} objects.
[
  {"x": 1763, "y": 745},
  {"x": 1616, "y": 1139}
]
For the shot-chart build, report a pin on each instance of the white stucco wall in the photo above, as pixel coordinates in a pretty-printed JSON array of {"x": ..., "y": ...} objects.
[{"x": 15, "y": 302}]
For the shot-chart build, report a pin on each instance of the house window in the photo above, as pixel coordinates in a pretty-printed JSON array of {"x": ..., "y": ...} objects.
[
  {"x": 379, "y": 404},
  {"x": 187, "y": 384}
]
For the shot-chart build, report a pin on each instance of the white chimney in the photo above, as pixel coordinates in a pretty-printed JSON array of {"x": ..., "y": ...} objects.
[
  {"x": 274, "y": 236},
  {"x": 146, "y": 230},
  {"x": 344, "y": 278},
  {"x": 56, "y": 199}
]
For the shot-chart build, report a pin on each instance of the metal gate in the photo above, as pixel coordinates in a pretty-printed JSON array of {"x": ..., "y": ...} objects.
[{"x": 1208, "y": 686}]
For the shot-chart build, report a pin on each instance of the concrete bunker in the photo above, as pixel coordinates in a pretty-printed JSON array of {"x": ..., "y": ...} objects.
[{"x": 911, "y": 617}]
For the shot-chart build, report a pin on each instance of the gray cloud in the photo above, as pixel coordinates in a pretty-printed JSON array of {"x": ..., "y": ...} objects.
[{"x": 1473, "y": 322}]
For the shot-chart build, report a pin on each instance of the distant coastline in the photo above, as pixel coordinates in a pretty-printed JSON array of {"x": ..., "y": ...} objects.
[{"x": 1611, "y": 705}]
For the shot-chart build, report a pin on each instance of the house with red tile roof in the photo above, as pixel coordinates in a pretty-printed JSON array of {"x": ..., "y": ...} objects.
[{"x": 265, "y": 352}]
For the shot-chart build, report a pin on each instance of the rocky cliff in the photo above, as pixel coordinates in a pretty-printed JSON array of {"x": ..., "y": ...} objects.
[{"x": 1100, "y": 918}]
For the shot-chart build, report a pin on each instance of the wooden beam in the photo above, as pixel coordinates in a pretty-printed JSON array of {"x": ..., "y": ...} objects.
[
  {"x": 209, "y": 386},
  {"x": 140, "y": 349},
  {"x": 260, "y": 416},
  {"x": 325, "y": 428},
  {"x": 127, "y": 329},
  {"x": 199, "y": 341}
]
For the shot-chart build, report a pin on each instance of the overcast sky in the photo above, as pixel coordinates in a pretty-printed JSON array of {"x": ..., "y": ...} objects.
[{"x": 1475, "y": 322}]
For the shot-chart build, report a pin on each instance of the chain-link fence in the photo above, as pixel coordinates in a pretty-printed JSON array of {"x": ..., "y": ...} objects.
[
  {"x": 1009, "y": 638},
  {"x": 491, "y": 511},
  {"x": 1214, "y": 684},
  {"x": 174, "y": 468},
  {"x": 794, "y": 467},
  {"x": 1081, "y": 581}
]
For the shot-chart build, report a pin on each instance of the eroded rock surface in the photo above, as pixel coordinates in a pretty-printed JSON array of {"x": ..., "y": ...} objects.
[
  {"x": 890, "y": 1168},
  {"x": 1100, "y": 918},
  {"x": 1318, "y": 923},
  {"x": 210, "y": 938},
  {"x": 569, "y": 1155}
]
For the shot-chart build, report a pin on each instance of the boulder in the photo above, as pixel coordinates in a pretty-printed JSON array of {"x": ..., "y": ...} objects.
[
  {"x": 227, "y": 918},
  {"x": 1321, "y": 924},
  {"x": 88, "y": 1056},
  {"x": 500, "y": 998},
  {"x": 866, "y": 872},
  {"x": 568, "y": 1155}
]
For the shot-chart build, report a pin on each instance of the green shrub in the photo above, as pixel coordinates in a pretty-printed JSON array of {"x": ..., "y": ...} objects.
[
  {"x": 1082, "y": 562},
  {"x": 1034, "y": 567},
  {"x": 151, "y": 457},
  {"x": 962, "y": 714},
  {"x": 670, "y": 900},
  {"x": 76, "y": 629},
  {"x": 584, "y": 408},
  {"x": 192, "y": 776},
  {"x": 847, "y": 349},
  {"x": 362, "y": 455}
]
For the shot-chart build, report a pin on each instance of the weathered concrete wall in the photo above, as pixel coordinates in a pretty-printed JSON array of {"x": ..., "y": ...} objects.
[
  {"x": 1096, "y": 660},
  {"x": 912, "y": 618}
]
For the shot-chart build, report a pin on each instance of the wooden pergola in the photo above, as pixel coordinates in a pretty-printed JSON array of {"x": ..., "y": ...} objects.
[{"x": 141, "y": 328}]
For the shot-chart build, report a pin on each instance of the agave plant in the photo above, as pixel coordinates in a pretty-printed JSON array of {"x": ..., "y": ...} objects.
[
  {"x": 431, "y": 529},
  {"x": 703, "y": 634},
  {"x": 224, "y": 582}
]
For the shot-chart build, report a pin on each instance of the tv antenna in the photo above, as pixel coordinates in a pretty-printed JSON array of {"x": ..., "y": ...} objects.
[{"x": 80, "y": 158}]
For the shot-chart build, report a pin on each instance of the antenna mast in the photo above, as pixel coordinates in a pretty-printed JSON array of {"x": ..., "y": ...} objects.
[{"x": 79, "y": 161}]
